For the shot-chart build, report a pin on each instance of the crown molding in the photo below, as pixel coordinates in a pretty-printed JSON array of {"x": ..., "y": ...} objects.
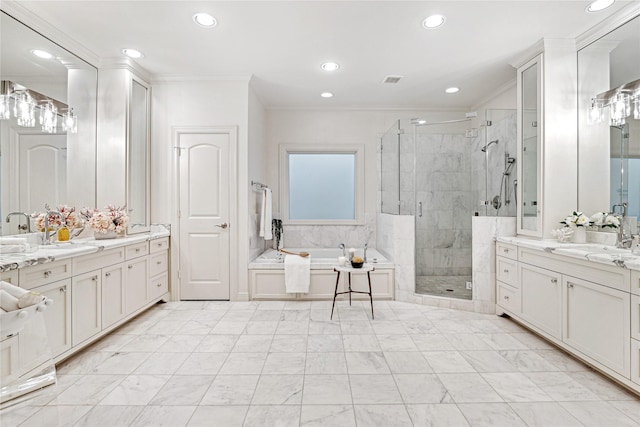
[
  {"x": 528, "y": 54},
  {"x": 167, "y": 78},
  {"x": 607, "y": 25},
  {"x": 23, "y": 14},
  {"x": 124, "y": 64}
]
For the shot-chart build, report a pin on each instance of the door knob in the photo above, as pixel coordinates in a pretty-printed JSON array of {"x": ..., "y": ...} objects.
[{"x": 223, "y": 225}]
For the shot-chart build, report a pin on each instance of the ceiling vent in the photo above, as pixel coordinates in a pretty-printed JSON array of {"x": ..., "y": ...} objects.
[{"x": 392, "y": 79}]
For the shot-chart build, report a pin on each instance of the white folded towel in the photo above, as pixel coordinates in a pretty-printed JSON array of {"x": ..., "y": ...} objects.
[
  {"x": 12, "y": 249},
  {"x": 266, "y": 215},
  {"x": 297, "y": 274},
  {"x": 13, "y": 241},
  {"x": 7, "y": 301}
]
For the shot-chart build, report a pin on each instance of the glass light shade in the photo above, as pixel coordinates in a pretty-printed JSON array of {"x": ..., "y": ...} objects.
[
  {"x": 5, "y": 107},
  {"x": 636, "y": 108},
  {"x": 25, "y": 110},
  {"x": 70, "y": 122},
  {"x": 596, "y": 111},
  {"x": 48, "y": 117}
]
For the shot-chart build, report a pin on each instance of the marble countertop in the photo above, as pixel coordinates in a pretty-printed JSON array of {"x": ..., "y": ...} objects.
[
  {"x": 592, "y": 252},
  {"x": 58, "y": 251}
]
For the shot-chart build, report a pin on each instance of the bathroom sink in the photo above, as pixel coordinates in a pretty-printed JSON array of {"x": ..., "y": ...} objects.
[{"x": 59, "y": 245}]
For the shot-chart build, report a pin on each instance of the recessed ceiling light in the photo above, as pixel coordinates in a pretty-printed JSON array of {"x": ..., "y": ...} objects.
[
  {"x": 42, "y": 54},
  {"x": 326, "y": 94},
  {"x": 433, "y": 21},
  {"x": 205, "y": 20},
  {"x": 452, "y": 89},
  {"x": 330, "y": 66},
  {"x": 598, "y": 5},
  {"x": 132, "y": 53}
]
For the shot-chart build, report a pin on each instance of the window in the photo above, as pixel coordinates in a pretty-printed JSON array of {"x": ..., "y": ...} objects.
[{"x": 321, "y": 185}]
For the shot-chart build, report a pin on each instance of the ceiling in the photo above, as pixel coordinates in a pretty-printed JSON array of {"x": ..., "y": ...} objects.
[{"x": 281, "y": 44}]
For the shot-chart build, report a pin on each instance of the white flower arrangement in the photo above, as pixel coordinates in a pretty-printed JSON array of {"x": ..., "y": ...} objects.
[
  {"x": 577, "y": 219},
  {"x": 111, "y": 219},
  {"x": 68, "y": 218},
  {"x": 605, "y": 220}
]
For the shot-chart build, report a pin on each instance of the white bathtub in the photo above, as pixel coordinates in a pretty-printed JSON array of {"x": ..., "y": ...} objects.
[{"x": 266, "y": 275}]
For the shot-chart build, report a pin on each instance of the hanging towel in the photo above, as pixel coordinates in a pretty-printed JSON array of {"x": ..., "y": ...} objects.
[
  {"x": 266, "y": 215},
  {"x": 297, "y": 274}
]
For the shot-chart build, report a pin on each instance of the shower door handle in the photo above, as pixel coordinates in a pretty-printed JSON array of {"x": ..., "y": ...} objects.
[{"x": 420, "y": 209}]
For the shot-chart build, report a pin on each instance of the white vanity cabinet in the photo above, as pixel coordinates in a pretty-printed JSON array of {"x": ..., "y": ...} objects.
[
  {"x": 586, "y": 308},
  {"x": 113, "y": 294},
  {"x": 136, "y": 277},
  {"x": 508, "y": 282},
  {"x": 158, "y": 267},
  {"x": 57, "y": 316},
  {"x": 86, "y": 306}
]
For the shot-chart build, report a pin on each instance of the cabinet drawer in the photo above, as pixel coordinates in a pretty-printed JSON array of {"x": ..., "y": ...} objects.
[
  {"x": 159, "y": 245},
  {"x": 507, "y": 271},
  {"x": 635, "y": 282},
  {"x": 9, "y": 359},
  {"x": 158, "y": 263},
  {"x": 98, "y": 260},
  {"x": 508, "y": 298},
  {"x": 635, "y": 361},
  {"x": 11, "y": 276},
  {"x": 137, "y": 250},
  {"x": 158, "y": 285},
  {"x": 506, "y": 250},
  {"x": 635, "y": 317},
  {"x": 41, "y": 274}
]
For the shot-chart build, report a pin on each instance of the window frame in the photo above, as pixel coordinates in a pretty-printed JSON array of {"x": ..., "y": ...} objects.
[{"x": 356, "y": 149}]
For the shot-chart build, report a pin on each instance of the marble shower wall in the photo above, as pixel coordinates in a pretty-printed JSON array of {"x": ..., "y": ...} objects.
[{"x": 330, "y": 236}]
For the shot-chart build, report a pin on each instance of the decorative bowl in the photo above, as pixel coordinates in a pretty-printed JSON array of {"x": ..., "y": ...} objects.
[{"x": 357, "y": 264}]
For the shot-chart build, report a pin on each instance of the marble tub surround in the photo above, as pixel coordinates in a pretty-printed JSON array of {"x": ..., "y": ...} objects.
[
  {"x": 329, "y": 236},
  {"x": 412, "y": 365},
  {"x": 321, "y": 258},
  {"x": 76, "y": 247},
  {"x": 592, "y": 252}
]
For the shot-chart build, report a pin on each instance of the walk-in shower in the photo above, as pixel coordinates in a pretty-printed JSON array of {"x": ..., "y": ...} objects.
[{"x": 443, "y": 172}]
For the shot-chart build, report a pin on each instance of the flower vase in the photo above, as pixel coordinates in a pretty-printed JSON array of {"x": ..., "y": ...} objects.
[
  {"x": 579, "y": 235},
  {"x": 110, "y": 234}
]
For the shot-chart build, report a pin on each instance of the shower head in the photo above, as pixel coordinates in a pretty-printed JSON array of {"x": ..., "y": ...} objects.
[{"x": 484, "y": 149}]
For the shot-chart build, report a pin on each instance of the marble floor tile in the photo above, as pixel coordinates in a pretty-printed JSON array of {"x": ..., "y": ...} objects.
[
  {"x": 293, "y": 327},
  {"x": 182, "y": 390},
  {"x": 227, "y": 416},
  {"x": 198, "y": 327},
  {"x": 599, "y": 414},
  {"x": 544, "y": 414},
  {"x": 527, "y": 360},
  {"x": 297, "y": 305},
  {"x": 52, "y": 416},
  {"x": 560, "y": 386},
  {"x": 422, "y": 388},
  {"x": 16, "y": 414},
  {"x": 294, "y": 315},
  {"x": 396, "y": 343},
  {"x": 111, "y": 343},
  {"x": 270, "y": 305},
  {"x": 231, "y": 390},
  {"x": 243, "y": 363},
  {"x": 278, "y": 390},
  {"x": 161, "y": 363},
  {"x": 88, "y": 390},
  {"x": 135, "y": 390},
  {"x": 360, "y": 343},
  {"x": 181, "y": 343},
  {"x": 488, "y": 361},
  {"x": 154, "y": 416},
  {"x": 121, "y": 363},
  {"x": 467, "y": 342},
  {"x": 322, "y": 314},
  {"x": 253, "y": 344},
  {"x": 326, "y": 390},
  {"x": 113, "y": 416},
  {"x": 369, "y": 389},
  {"x": 356, "y": 327},
  {"x": 229, "y": 327},
  {"x": 145, "y": 343},
  {"x": 202, "y": 364},
  {"x": 324, "y": 343},
  {"x": 515, "y": 387},
  {"x": 261, "y": 328},
  {"x": 83, "y": 363},
  {"x": 562, "y": 361},
  {"x": 326, "y": 363},
  {"x": 238, "y": 315},
  {"x": 432, "y": 342},
  {"x": 407, "y": 362},
  {"x": 166, "y": 327},
  {"x": 469, "y": 388},
  {"x": 419, "y": 327},
  {"x": 366, "y": 363},
  {"x": 324, "y": 327},
  {"x": 490, "y": 415},
  {"x": 384, "y": 327},
  {"x": 629, "y": 407},
  {"x": 327, "y": 415},
  {"x": 447, "y": 361},
  {"x": 382, "y": 415},
  {"x": 434, "y": 415},
  {"x": 502, "y": 341},
  {"x": 272, "y": 415},
  {"x": 289, "y": 344},
  {"x": 284, "y": 363},
  {"x": 602, "y": 387}
]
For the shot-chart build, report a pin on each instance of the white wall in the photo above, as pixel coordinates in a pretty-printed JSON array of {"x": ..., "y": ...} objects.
[
  {"x": 257, "y": 170},
  {"x": 199, "y": 103}
]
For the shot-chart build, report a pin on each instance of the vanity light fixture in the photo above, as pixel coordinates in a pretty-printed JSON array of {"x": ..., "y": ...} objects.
[
  {"x": 623, "y": 102},
  {"x": 41, "y": 54},
  {"x": 326, "y": 95},
  {"x": 132, "y": 53},
  {"x": 452, "y": 89},
  {"x": 598, "y": 5},
  {"x": 5, "y": 107},
  {"x": 330, "y": 66},
  {"x": 205, "y": 20},
  {"x": 25, "y": 110},
  {"x": 48, "y": 117},
  {"x": 70, "y": 121},
  {"x": 433, "y": 21}
]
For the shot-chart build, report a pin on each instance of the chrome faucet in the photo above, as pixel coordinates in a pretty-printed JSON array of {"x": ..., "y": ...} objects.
[
  {"x": 46, "y": 225},
  {"x": 624, "y": 240},
  {"x": 366, "y": 245},
  {"x": 344, "y": 249},
  {"x": 21, "y": 227}
]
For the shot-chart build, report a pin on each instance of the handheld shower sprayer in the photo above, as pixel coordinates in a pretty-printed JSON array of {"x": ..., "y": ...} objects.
[{"x": 484, "y": 149}]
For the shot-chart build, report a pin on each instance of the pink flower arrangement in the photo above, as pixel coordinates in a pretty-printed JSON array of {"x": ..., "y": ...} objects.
[
  {"x": 111, "y": 219},
  {"x": 68, "y": 218}
]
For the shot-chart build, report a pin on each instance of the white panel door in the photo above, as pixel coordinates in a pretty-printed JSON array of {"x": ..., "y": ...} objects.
[
  {"x": 42, "y": 172},
  {"x": 204, "y": 215}
]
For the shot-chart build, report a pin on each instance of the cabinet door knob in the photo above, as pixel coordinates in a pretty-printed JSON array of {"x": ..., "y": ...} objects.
[
  {"x": 137, "y": 249},
  {"x": 506, "y": 297},
  {"x": 94, "y": 278},
  {"x": 223, "y": 225},
  {"x": 506, "y": 271},
  {"x": 107, "y": 274},
  {"x": 506, "y": 251},
  {"x": 554, "y": 280},
  {"x": 569, "y": 285},
  {"x": 47, "y": 273},
  {"x": 159, "y": 262},
  {"x": 63, "y": 289},
  {"x": 130, "y": 266},
  {"x": 159, "y": 285}
]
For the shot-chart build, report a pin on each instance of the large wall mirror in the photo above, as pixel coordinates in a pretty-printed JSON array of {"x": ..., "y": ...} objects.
[
  {"x": 53, "y": 162},
  {"x": 609, "y": 122}
]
